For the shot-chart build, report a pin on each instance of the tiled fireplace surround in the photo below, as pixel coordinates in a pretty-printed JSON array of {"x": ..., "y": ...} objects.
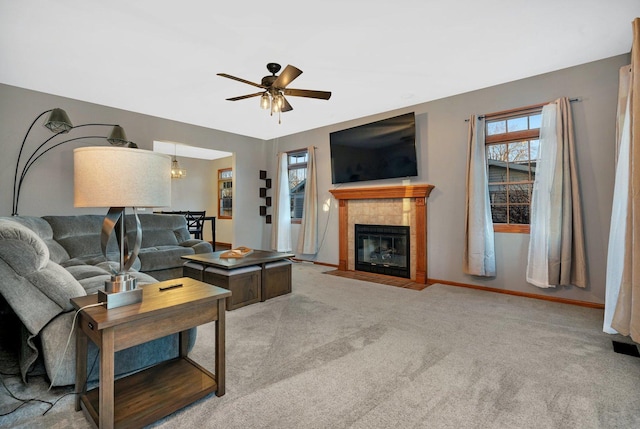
[{"x": 385, "y": 205}]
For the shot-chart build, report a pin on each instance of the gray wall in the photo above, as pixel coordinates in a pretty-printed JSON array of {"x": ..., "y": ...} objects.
[
  {"x": 48, "y": 189},
  {"x": 441, "y": 140}
]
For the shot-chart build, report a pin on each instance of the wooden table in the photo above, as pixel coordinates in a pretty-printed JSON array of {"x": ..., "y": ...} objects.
[
  {"x": 146, "y": 396},
  {"x": 257, "y": 257},
  {"x": 212, "y": 219}
]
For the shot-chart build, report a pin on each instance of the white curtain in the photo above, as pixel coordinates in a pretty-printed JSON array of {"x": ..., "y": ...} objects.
[
  {"x": 541, "y": 225},
  {"x": 618, "y": 228},
  {"x": 556, "y": 240},
  {"x": 281, "y": 229},
  {"x": 623, "y": 262},
  {"x": 479, "y": 253},
  {"x": 308, "y": 237}
]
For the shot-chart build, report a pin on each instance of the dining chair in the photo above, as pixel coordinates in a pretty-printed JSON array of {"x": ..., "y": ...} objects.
[{"x": 195, "y": 222}]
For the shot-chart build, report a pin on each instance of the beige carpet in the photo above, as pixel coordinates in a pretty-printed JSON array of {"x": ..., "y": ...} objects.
[{"x": 342, "y": 353}]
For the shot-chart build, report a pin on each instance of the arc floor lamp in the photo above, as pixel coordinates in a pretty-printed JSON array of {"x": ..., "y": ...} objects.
[{"x": 58, "y": 122}]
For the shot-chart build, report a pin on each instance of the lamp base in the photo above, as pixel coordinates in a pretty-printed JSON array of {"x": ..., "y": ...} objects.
[
  {"x": 121, "y": 290},
  {"x": 120, "y": 299}
]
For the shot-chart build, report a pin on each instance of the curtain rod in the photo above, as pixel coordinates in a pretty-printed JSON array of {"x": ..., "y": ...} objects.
[
  {"x": 533, "y": 106},
  {"x": 296, "y": 150}
]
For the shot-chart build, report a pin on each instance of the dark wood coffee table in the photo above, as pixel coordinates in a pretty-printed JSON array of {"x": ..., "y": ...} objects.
[
  {"x": 146, "y": 396},
  {"x": 257, "y": 257}
]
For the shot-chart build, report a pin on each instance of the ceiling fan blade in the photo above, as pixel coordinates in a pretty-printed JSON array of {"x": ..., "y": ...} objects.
[
  {"x": 242, "y": 97},
  {"x": 286, "y": 107},
  {"x": 228, "y": 76},
  {"x": 286, "y": 77},
  {"x": 323, "y": 95}
]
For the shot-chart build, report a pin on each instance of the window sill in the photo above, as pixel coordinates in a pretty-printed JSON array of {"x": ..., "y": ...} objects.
[
  {"x": 511, "y": 229},
  {"x": 294, "y": 221}
]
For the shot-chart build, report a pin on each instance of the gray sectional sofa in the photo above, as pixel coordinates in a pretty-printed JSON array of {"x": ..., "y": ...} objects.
[{"x": 46, "y": 261}]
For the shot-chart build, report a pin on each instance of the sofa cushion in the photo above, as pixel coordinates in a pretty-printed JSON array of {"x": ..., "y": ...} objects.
[
  {"x": 159, "y": 229},
  {"x": 110, "y": 265},
  {"x": 22, "y": 249},
  {"x": 79, "y": 235},
  {"x": 41, "y": 227},
  {"x": 83, "y": 271},
  {"x": 162, "y": 257},
  {"x": 154, "y": 237}
]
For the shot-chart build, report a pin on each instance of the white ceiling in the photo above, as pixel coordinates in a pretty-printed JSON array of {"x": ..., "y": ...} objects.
[{"x": 160, "y": 57}]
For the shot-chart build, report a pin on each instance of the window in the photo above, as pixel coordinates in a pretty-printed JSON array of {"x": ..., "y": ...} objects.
[
  {"x": 512, "y": 141},
  {"x": 297, "y": 164},
  {"x": 225, "y": 193}
]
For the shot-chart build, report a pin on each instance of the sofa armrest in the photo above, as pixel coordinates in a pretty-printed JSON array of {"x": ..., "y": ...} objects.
[{"x": 36, "y": 288}]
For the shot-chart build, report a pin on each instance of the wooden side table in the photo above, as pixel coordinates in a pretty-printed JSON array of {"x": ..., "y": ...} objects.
[{"x": 146, "y": 396}]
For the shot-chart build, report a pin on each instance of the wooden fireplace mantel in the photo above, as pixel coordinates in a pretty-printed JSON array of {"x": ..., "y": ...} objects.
[
  {"x": 418, "y": 195},
  {"x": 410, "y": 191}
]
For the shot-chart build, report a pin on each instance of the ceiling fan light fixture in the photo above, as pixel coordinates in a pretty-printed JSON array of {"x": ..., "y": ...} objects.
[
  {"x": 265, "y": 101},
  {"x": 272, "y": 96}
]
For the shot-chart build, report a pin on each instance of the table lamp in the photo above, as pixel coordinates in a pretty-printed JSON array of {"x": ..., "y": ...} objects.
[{"x": 118, "y": 177}]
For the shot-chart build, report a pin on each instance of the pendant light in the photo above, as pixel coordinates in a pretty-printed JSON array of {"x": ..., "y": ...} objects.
[{"x": 176, "y": 171}]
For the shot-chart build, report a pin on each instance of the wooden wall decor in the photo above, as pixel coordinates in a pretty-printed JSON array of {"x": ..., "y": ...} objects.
[{"x": 263, "y": 194}]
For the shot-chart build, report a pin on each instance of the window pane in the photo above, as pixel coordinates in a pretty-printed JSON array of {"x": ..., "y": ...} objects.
[
  {"x": 297, "y": 202},
  {"x": 519, "y": 152},
  {"x": 497, "y": 194},
  {"x": 497, "y": 172},
  {"x": 519, "y": 172},
  {"x": 496, "y": 127},
  {"x": 517, "y": 124},
  {"x": 499, "y": 214},
  {"x": 297, "y": 158},
  {"x": 534, "y": 145},
  {"x": 519, "y": 215},
  {"x": 296, "y": 177},
  {"x": 297, "y": 162},
  {"x": 520, "y": 194},
  {"x": 497, "y": 152},
  {"x": 534, "y": 121}
]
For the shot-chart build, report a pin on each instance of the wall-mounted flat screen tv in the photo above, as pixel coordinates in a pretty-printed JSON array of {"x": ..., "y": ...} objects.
[{"x": 380, "y": 150}]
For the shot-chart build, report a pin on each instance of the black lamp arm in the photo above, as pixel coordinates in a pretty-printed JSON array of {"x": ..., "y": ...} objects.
[
  {"x": 32, "y": 161},
  {"x": 35, "y": 152},
  {"x": 15, "y": 175},
  {"x": 17, "y": 184}
]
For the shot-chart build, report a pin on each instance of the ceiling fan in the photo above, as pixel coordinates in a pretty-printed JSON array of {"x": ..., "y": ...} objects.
[{"x": 275, "y": 88}]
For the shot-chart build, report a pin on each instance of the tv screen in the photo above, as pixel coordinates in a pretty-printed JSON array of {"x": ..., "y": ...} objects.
[{"x": 380, "y": 150}]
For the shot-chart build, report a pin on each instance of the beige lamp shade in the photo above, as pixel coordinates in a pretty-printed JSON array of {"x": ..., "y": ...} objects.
[{"x": 107, "y": 176}]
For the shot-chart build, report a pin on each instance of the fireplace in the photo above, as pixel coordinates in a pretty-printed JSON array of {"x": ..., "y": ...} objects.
[
  {"x": 383, "y": 249},
  {"x": 385, "y": 205}
]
